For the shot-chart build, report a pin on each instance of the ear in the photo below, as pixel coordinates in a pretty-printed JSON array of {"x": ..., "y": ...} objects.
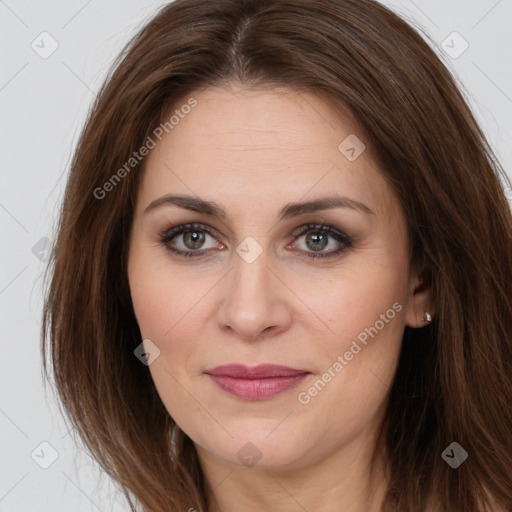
[{"x": 419, "y": 299}]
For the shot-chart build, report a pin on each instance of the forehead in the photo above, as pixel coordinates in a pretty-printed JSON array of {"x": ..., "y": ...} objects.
[
  {"x": 263, "y": 120},
  {"x": 260, "y": 143}
]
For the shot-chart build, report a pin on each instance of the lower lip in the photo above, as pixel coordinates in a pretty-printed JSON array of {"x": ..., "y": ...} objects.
[{"x": 257, "y": 389}]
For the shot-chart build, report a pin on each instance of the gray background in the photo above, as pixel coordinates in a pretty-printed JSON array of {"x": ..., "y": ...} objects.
[{"x": 43, "y": 103}]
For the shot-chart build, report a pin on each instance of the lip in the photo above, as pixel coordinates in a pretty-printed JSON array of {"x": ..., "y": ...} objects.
[
  {"x": 261, "y": 371},
  {"x": 256, "y": 383}
]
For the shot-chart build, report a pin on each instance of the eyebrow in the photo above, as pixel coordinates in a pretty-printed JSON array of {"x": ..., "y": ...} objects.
[{"x": 198, "y": 205}]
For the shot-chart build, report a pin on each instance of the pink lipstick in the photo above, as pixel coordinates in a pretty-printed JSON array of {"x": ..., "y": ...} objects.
[{"x": 256, "y": 383}]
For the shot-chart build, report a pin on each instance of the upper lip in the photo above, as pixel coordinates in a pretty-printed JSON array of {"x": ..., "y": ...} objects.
[{"x": 256, "y": 372}]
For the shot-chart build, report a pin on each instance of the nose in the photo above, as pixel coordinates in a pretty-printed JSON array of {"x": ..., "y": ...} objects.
[{"x": 254, "y": 303}]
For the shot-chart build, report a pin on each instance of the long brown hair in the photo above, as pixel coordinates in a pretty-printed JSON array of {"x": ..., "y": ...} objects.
[{"x": 454, "y": 380}]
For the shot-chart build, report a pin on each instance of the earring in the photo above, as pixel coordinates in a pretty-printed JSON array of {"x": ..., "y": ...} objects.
[{"x": 427, "y": 318}]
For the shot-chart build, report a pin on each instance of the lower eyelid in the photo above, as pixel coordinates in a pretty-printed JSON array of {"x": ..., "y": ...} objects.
[
  {"x": 201, "y": 249},
  {"x": 340, "y": 238}
]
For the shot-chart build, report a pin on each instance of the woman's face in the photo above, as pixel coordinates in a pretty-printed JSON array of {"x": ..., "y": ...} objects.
[{"x": 250, "y": 292}]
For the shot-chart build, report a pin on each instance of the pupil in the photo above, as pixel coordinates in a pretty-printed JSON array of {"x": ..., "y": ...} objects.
[
  {"x": 315, "y": 241},
  {"x": 196, "y": 239},
  {"x": 316, "y": 238}
]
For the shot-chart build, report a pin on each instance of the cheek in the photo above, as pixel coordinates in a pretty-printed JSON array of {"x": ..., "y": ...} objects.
[
  {"x": 352, "y": 304},
  {"x": 365, "y": 314},
  {"x": 166, "y": 315},
  {"x": 163, "y": 303},
  {"x": 164, "y": 300}
]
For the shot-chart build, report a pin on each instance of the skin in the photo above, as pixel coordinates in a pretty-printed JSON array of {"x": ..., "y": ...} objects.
[{"x": 252, "y": 151}]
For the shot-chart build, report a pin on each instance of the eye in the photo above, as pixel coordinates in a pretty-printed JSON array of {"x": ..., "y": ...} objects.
[
  {"x": 191, "y": 240},
  {"x": 318, "y": 237}
]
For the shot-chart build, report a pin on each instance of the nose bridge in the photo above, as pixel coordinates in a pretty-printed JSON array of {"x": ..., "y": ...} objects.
[
  {"x": 252, "y": 302},
  {"x": 250, "y": 277}
]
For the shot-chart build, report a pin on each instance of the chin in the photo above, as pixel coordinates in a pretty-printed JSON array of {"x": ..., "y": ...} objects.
[{"x": 253, "y": 447}]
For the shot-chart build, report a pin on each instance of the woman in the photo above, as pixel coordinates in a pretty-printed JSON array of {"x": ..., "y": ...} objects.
[{"x": 280, "y": 280}]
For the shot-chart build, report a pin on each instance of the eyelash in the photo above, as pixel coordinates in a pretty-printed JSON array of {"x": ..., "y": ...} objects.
[{"x": 339, "y": 236}]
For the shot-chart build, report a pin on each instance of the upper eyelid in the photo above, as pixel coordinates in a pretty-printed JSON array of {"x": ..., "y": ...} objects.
[
  {"x": 332, "y": 231},
  {"x": 210, "y": 229},
  {"x": 179, "y": 229},
  {"x": 346, "y": 241}
]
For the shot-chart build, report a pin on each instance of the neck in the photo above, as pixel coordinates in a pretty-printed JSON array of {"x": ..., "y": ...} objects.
[{"x": 351, "y": 478}]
